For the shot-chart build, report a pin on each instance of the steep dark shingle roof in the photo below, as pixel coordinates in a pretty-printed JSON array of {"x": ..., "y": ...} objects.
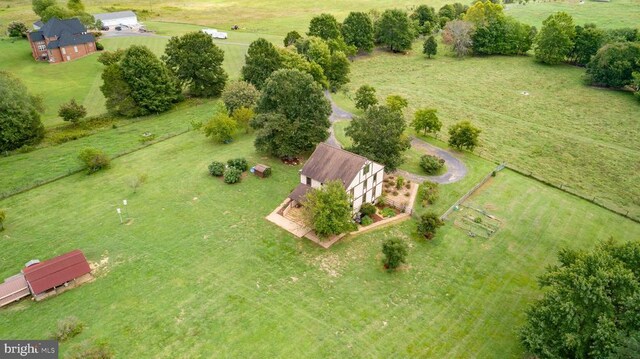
[
  {"x": 55, "y": 27},
  {"x": 36, "y": 36},
  {"x": 328, "y": 163}
]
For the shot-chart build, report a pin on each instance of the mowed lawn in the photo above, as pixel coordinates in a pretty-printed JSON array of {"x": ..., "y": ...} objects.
[
  {"x": 538, "y": 118},
  {"x": 81, "y": 79},
  {"x": 199, "y": 272}
]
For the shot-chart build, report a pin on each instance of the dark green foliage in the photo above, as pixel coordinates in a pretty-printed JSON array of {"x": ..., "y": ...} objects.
[
  {"x": 397, "y": 102},
  {"x": 232, "y": 175},
  {"x": 395, "y": 253},
  {"x": 293, "y": 114},
  {"x": 3, "y": 217},
  {"x": 379, "y": 136},
  {"x": 261, "y": 60},
  {"x": 239, "y": 163},
  {"x": 430, "y": 46},
  {"x": 426, "y": 19},
  {"x": 94, "y": 159},
  {"x": 367, "y": 209},
  {"x": 366, "y": 221},
  {"x": 239, "y": 94},
  {"x": 55, "y": 11},
  {"x": 99, "y": 46},
  {"x": 72, "y": 111},
  {"x": 394, "y": 30},
  {"x": 67, "y": 328},
  {"x": 590, "y": 304},
  {"x": 17, "y": 29},
  {"x": 426, "y": 120},
  {"x": 338, "y": 45},
  {"x": 556, "y": 39},
  {"x": 324, "y": 26},
  {"x": 428, "y": 193},
  {"x": 431, "y": 164},
  {"x": 295, "y": 61},
  {"x": 197, "y": 63},
  {"x": 315, "y": 49},
  {"x": 388, "y": 212},
  {"x": 428, "y": 224},
  {"x": 365, "y": 97},
  {"x": 451, "y": 12},
  {"x": 216, "y": 168},
  {"x": 503, "y": 35},
  {"x": 635, "y": 84},
  {"x": 327, "y": 209},
  {"x": 137, "y": 83},
  {"x": 463, "y": 135},
  {"x": 111, "y": 57},
  {"x": 291, "y": 38},
  {"x": 614, "y": 65},
  {"x": 587, "y": 42},
  {"x": 19, "y": 114},
  {"x": 357, "y": 30},
  {"x": 76, "y": 6},
  {"x": 622, "y": 35},
  {"x": 337, "y": 71},
  {"x": 39, "y": 6},
  {"x": 220, "y": 128}
]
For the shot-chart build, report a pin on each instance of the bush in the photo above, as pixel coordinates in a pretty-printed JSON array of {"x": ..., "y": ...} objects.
[
  {"x": 88, "y": 350},
  {"x": 239, "y": 163},
  {"x": 431, "y": 164},
  {"x": 216, "y": 168},
  {"x": 17, "y": 29},
  {"x": 388, "y": 212},
  {"x": 368, "y": 209},
  {"x": 94, "y": 159},
  {"x": 399, "y": 182},
  {"x": 428, "y": 193},
  {"x": 395, "y": 253},
  {"x": 221, "y": 128},
  {"x": 67, "y": 328},
  {"x": 428, "y": 224},
  {"x": 99, "y": 46},
  {"x": 240, "y": 94},
  {"x": 232, "y": 175},
  {"x": 366, "y": 221}
]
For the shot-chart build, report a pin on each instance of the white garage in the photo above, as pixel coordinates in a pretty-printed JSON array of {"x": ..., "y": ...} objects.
[{"x": 110, "y": 19}]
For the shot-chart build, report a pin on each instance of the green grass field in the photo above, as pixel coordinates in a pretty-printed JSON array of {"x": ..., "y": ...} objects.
[
  {"x": 582, "y": 137},
  {"x": 199, "y": 272}
]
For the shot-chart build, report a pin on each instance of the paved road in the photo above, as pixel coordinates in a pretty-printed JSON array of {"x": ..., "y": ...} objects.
[{"x": 456, "y": 170}]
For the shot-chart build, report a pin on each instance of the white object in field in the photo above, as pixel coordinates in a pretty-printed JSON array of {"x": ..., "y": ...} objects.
[
  {"x": 126, "y": 18},
  {"x": 215, "y": 33}
]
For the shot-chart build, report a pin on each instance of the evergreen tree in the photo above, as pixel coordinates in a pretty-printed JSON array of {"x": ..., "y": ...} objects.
[{"x": 430, "y": 47}]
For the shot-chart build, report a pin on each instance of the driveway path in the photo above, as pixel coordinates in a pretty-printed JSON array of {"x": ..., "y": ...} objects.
[{"x": 456, "y": 170}]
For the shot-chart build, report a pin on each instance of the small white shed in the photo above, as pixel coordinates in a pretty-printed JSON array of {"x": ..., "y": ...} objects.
[
  {"x": 215, "y": 33},
  {"x": 127, "y": 18}
]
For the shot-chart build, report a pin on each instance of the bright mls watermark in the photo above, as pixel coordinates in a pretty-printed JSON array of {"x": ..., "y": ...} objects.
[{"x": 40, "y": 349}]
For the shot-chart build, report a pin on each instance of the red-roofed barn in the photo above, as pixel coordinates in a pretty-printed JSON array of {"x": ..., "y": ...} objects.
[{"x": 56, "y": 272}]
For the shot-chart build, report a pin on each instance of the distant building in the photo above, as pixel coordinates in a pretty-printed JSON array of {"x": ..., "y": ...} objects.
[
  {"x": 361, "y": 177},
  {"x": 126, "y": 18},
  {"x": 61, "y": 41}
]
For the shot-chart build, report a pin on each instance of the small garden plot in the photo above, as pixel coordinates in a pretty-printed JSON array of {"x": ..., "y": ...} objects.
[
  {"x": 475, "y": 222},
  {"x": 396, "y": 191}
]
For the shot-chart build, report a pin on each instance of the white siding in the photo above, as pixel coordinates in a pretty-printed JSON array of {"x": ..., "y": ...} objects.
[{"x": 129, "y": 21}]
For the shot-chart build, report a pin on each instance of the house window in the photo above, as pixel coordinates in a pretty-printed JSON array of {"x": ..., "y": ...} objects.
[
  {"x": 75, "y": 48},
  {"x": 375, "y": 176},
  {"x": 64, "y": 52},
  {"x": 42, "y": 47},
  {"x": 366, "y": 169},
  {"x": 308, "y": 181}
]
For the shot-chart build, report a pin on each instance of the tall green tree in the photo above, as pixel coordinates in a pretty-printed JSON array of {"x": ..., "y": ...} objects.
[
  {"x": 76, "y": 6},
  {"x": 587, "y": 42},
  {"x": 556, "y": 39},
  {"x": 426, "y": 19},
  {"x": 239, "y": 94},
  {"x": 365, "y": 97},
  {"x": 463, "y": 135},
  {"x": 261, "y": 60},
  {"x": 291, "y": 38},
  {"x": 428, "y": 224},
  {"x": 614, "y": 64},
  {"x": 502, "y": 35},
  {"x": 394, "y": 30},
  {"x": 357, "y": 30},
  {"x": 327, "y": 209},
  {"x": 324, "y": 26},
  {"x": 72, "y": 111},
  {"x": 338, "y": 71},
  {"x": 293, "y": 60},
  {"x": 292, "y": 114},
  {"x": 395, "y": 253},
  {"x": 39, "y": 6},
  {"x": 197, "y": 63},
  {"x": 483, "y": 12},
  {"x": 397, "y": 103},
  {"x": 426, "y": 120},
  {"x": 379, "y": 136},
  {"x": 430, "y": 46},
  {"x": 137, "y": 83},
  {"x": 590, "y": 305},
  {"x": 55, "y": 11},
  {"x": 19, "y": 114}
]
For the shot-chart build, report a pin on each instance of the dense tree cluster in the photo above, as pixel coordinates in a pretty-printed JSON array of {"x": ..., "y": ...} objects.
[
  {"x": 614, "y": 65},
  {"x": 261, "y": 60},
  {"x": 358, "y": 31},
  {"x": 556, "y": 38},
  {"x": 394, "y": 30},
  {"x": 48, "y": 9},
  {"x": 590, "y": 306},
  {"x": 425, "y": 19},
  {"x": 197, "y": 63},
  {"x": 137, "y": 83},
  {"x": 292, "y": 115},
  {"x": 19, "y": 114}
]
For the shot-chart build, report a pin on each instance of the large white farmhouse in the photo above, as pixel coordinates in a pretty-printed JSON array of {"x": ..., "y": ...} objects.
[{"x": 361, "y": 177}]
